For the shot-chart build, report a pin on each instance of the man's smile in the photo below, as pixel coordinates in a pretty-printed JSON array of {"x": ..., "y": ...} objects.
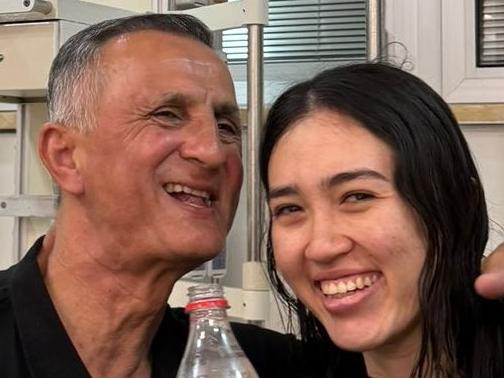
[{"x": 190, "y": 196}]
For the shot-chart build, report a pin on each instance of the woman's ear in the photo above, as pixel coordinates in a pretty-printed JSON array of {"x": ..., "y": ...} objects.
[{"x": 56, "y": 148}]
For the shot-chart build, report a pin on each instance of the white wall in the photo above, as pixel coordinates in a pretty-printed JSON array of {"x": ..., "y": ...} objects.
[
  {"x": 132, "y": 5},
  {"x": 487, "y": 146},
  {"x": 7, "y": 155}
]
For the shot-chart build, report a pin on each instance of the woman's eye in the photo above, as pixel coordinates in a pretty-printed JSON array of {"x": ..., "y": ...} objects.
[
  {"x": 358, "y": 197},
  {"x": 285, "y": 210}
]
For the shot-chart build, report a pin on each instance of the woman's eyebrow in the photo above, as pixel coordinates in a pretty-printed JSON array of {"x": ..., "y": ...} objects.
[
  {"x": 281, "y": 191},
  {"x": 330, "y": 182},
  {"x": 343, "y": 177}
]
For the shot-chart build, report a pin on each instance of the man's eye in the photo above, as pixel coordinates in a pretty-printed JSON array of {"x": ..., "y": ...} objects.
[
  {"x": 357, "y": 197},
  {"x": 228, "y": 130},
  {"x": 167, "y": 116}
]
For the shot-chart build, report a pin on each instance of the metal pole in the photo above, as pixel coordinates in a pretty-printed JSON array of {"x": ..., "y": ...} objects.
[
  {"x": 172, "y": 5},
  {"x": 19, "y": 169},
  {"x": 155, "y": 6},
  {"x": 255, "y": 104},
  {"x": 374, "y": 29},
  {"x": 163, "y": 6}
]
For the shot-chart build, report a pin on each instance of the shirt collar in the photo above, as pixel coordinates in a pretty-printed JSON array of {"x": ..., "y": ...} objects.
[{"x": 48, "y": 349}]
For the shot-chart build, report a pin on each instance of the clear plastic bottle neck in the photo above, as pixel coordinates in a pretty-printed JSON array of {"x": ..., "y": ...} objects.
[
  {"x": 212, "y": 349},
  {"x": 210, "y": 313},
  {"x": 205, "y": 291},
  {"x": 207, "y": 300}
]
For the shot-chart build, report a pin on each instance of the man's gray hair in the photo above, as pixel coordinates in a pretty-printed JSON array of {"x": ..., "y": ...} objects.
[{"x": 74, "y": 78}]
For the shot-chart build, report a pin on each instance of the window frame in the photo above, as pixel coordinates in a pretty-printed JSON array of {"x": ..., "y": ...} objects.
[
  {"x": 279, "y": 75},
  {"x": 479, "y": 35},
  {"x": 462, "y": 80}
]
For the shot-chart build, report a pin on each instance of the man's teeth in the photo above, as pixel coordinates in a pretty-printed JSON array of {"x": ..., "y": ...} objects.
[
  {"x": 177, "y": 188},
  {"x": 344, "y": 286}
]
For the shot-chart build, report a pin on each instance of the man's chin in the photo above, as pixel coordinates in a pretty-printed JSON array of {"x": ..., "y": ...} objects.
[
  {"x": 197, "y": 255},
  {"x": 195, "y": 263}
]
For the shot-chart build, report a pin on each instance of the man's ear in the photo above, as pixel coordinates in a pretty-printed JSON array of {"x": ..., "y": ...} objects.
[{"x": 56, "y": 148}]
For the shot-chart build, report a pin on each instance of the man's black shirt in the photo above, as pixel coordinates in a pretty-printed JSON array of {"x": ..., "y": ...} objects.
[{"x": 34, "y": 343}]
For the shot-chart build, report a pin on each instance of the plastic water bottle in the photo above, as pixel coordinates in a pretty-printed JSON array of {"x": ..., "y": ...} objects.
[{"x": 212, "y": 350}]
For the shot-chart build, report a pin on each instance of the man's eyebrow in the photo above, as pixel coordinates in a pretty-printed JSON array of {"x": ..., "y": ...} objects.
[
  {"x": 228, "y": 110},
  {"x": 330, "y": 182},
  {"x": 173, "y": 100},
  {"x": 344, "y": 177}
]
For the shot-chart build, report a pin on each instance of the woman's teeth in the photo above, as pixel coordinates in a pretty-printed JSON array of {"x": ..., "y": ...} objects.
[{"x": 345, "y": 286}]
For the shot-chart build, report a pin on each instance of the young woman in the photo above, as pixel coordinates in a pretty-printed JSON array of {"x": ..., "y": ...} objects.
[{"x": 378, "y": 225}]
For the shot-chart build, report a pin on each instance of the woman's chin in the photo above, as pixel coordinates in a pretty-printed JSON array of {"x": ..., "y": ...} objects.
[{"x": 355, "y": 343}]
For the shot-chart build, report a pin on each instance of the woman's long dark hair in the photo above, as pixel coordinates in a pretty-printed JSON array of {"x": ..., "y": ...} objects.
[{"x": 462, "y": 334}]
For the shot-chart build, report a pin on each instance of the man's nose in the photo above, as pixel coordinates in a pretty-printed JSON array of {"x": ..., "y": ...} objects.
[
  {"x": 203, "y": 145},
  {"x": 327, "y": 241}
]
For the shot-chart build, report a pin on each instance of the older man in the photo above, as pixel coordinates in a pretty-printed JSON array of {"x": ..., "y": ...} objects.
[{"x": 144, "y": 143}]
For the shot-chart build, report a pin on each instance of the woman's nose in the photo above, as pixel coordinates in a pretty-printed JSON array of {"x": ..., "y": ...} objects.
[{"x": 327, "y": 240}]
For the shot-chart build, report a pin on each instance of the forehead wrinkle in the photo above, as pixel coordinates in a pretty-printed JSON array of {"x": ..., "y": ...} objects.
[
  {"x": 195, "y": 66},
  {"x": 177, "y": 99}
]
